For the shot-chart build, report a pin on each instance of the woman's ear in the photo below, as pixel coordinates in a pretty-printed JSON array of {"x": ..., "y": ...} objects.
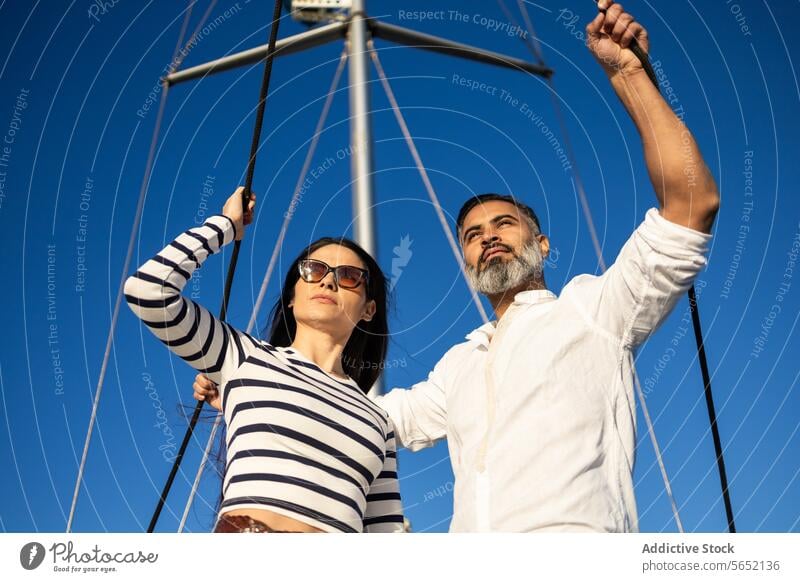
[{"x": 369, "y": 310}]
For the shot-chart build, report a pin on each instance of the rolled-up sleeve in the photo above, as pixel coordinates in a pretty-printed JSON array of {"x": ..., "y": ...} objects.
[{"x": 655, "y": 267}]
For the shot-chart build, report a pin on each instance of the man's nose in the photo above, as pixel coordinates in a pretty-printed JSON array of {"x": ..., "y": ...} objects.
[{"x": 489, "y": 237}]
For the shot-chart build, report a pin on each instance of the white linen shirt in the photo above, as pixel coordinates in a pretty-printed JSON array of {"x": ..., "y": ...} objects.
[{"x": 539, "y": 410}]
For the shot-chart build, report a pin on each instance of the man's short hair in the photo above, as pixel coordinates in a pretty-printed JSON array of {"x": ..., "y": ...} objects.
[{"x": 481, "y": 198}]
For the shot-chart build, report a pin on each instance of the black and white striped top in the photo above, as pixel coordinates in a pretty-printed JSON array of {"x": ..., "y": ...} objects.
[{"x": 301, "y": 442}]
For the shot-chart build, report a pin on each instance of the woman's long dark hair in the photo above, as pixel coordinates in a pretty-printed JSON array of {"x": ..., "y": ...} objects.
[{"x": 364, "y": 355}]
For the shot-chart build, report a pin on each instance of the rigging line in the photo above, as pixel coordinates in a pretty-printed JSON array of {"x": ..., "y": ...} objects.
[
  {"x": 178, "y": 59},
  {"x": 184, "y": 26},
  {"x": 652, "y": 432},
  {"x": 206, "y": 453},
  {"x": 273, "y": 259},
  {"x": 536, "y": 49},
  {"x": 712, "y": 414},
  {"x": 246, "y": 191},
  {"x": 424, "y": 175},
  {"x": 131, "y": 243},
  {"x": 297, "y": 189}
]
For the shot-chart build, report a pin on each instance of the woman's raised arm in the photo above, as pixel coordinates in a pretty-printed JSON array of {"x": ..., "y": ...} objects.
[{"x": 153, "y": 293}]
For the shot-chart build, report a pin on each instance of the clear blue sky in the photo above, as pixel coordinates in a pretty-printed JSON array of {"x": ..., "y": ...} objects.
[{"x": 72, "y": 84}]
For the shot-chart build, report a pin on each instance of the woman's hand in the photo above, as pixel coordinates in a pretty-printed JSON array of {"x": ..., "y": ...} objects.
[
  {"x": 233, "y": 210},
  {"x": 206, "y": 390}
]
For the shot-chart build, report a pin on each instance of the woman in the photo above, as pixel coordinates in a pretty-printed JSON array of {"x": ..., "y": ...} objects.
[{"x": 307, "y": 451}]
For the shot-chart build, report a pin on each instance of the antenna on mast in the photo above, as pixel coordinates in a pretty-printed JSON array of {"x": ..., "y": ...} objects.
[{"x": 314, "y": 11}]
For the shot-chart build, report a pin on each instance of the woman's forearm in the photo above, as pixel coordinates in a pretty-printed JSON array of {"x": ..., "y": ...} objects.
[{"x": 154, "y": 294}]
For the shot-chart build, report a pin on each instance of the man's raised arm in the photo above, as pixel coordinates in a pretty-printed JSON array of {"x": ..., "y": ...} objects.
[{"x": 685, "y": 188}]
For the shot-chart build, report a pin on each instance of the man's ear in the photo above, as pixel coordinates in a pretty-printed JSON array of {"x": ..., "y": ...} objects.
[
  {"x": 544, "y": 245},
  {"x": 369, "y": 310}
]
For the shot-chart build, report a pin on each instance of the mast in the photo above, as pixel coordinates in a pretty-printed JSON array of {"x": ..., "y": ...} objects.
[{"x": 361, "y": 129}]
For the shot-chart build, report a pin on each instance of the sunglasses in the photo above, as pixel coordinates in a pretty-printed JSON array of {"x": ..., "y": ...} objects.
[{"x": 346, "y": 276}]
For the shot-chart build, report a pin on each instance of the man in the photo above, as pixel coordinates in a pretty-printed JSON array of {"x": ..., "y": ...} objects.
[{"x": 538, "y": 406}]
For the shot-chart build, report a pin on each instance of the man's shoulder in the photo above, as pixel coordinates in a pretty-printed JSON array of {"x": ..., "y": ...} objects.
[
  {"x": 462, "y": 349},
  {"x": 580, "y": 284}
]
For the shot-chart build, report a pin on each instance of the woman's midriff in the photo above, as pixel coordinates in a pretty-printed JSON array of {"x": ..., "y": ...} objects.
[{"x": 275, "y": 521}]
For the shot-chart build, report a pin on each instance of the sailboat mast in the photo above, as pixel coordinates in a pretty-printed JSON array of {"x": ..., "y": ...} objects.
[
  {"x": 361, "y": 138},
  {"x": 361, "y": 129}
]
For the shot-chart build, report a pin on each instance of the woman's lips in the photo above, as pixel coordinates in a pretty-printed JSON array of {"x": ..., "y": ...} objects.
[{"x": 323, "y": 299}]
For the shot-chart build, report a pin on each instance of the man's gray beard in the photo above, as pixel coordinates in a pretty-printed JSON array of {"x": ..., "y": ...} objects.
[{"x": 501, "y": 276}]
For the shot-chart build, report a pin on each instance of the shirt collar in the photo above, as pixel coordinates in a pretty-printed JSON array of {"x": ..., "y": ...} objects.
[{"x": 484, "y": 333}]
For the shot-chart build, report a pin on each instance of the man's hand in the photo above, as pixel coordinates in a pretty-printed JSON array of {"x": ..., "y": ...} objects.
[
  {"x": 609, "y": 37},
  {"x": 206, "y": 390}
]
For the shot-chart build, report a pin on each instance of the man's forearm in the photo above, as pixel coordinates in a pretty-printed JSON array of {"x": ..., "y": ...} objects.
[{"x": 684, "y": 186}]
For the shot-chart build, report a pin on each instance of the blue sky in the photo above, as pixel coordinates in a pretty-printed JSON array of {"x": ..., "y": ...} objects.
[{"x": 73, "y": 79}]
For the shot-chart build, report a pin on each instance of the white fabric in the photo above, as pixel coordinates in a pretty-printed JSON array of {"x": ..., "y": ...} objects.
[{"x": 539, "y": 410}]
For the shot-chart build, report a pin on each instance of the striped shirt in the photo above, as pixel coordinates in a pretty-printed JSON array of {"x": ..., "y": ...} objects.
[{"x": 301, "y": 443}]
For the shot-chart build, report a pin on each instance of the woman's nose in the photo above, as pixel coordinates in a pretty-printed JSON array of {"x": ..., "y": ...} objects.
[{"x": 328, "y": 281}]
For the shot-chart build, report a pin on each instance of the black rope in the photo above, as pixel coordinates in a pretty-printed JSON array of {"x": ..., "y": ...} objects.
[
  {"x": 251, "y": 168},
  {"x": 698, "y": 335}
]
